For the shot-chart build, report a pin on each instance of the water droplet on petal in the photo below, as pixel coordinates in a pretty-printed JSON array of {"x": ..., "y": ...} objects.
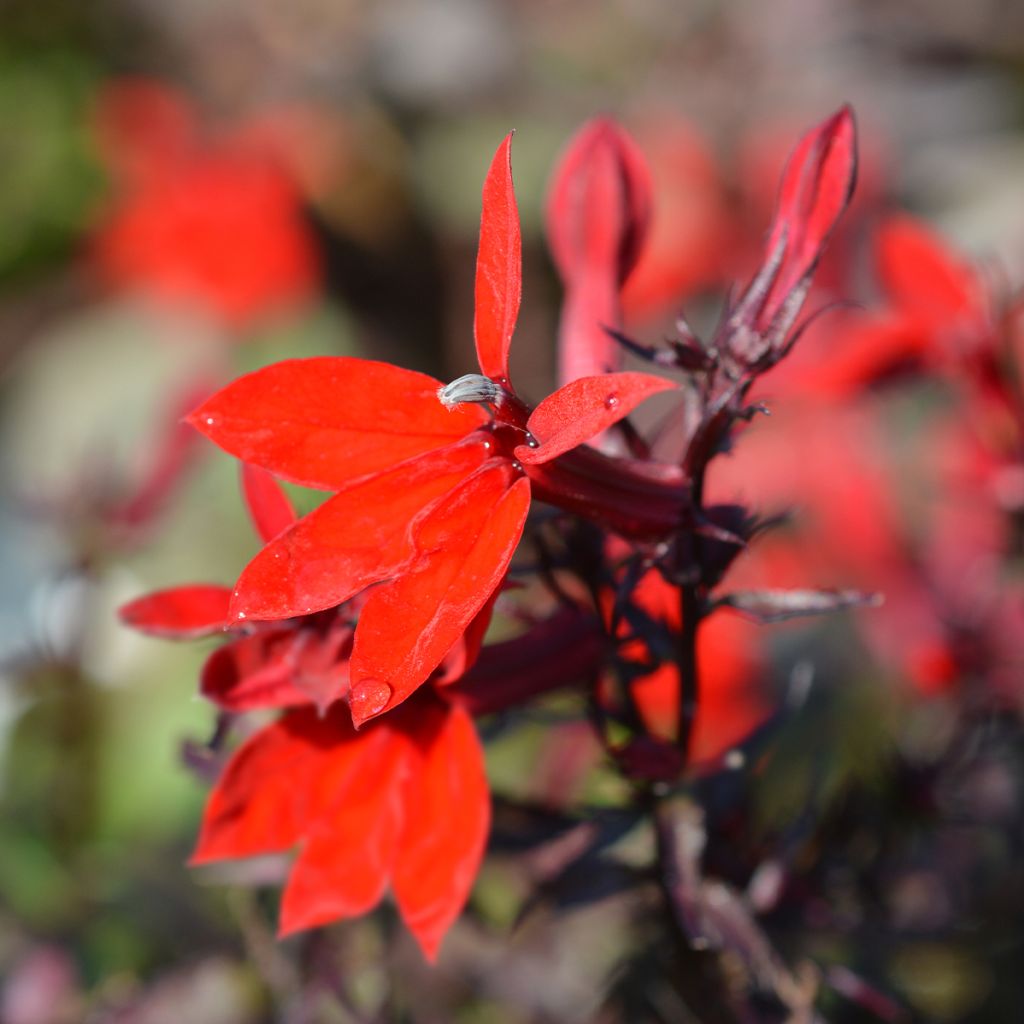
[
  {"x": 368, "y": 697},
  {"x": 517, "y": 466},
  {"x": 487, "y": 445},
  {"x": 209, "y": 421},
  {"x": 241, "y": 615},
  {"x": 611, "y": 401}
]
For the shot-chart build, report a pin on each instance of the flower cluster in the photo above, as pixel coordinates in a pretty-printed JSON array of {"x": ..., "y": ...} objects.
[{"x": 362, "y": 622}]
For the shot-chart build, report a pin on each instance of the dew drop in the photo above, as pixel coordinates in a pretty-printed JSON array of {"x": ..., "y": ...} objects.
[
  {"x": 611, "y": 401},
  {"x": 517, "y": 466},
  {"x": 531, "y": 441},
  {"x": 209, "y": 421},
  {"x": 241, "y": 615},
  {"x": 487, "y": 445},
  {"x": 368, "y": 697}
]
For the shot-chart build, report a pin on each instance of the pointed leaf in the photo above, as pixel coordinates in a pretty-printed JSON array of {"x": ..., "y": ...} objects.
[
  {"x": 180, "y": 612},
  {"x": 499, "y": 278},
  {"x": 407, "y": 626},
  {"x": 357, "y": 537},
  {"x": 446, "y": 826},
  {"x": 269, "y": 507},
  {"x": 328, "y": 421},
  {"x": 780, "y": 605},
  {"x": 816, "y": 188},
  {"x": 579, "y": 410}
]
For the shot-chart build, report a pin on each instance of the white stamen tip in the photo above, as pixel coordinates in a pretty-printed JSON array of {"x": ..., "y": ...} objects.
[{"x": 472, "y": 387}]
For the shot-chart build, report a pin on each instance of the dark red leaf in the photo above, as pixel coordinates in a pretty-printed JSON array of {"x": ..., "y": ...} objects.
[
  {"x": 269, "y": 507},
  {"x": 579, "y": 410},
  {"x": 499, "y": 278},
  {"x": 179, "y": 613},
  {"x": 407, "y": 626},
  {"x": 329, "y": 421}
]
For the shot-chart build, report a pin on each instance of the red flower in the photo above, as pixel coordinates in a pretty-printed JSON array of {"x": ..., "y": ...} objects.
[
  {"x": 432, "y": 493},
  {"x": 403, "y": 802},
  {"x": 218, "y": 225}
]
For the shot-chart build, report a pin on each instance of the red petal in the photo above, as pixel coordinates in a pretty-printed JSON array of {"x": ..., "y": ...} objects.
[
  {"x": 278, "y": 668},
  {"x": 446, "y": 827},
  {"x": 816, "y": 188},
  {"x": 179, "y": 613},
  {"x": 583, "y": 408},
  {"x": 269, "y": 507},
  {"x": 499, "y": 278},
  {"x": 408, "y": 626},
  {"x": 348, "y": 856},
  {"x": 462, "y": 657},
  {"x": 328, "y": 421},
  {"x": 921, "y": 274},
  {"x": 278, "y": 784},
  {"x": 358, "y": 537}
]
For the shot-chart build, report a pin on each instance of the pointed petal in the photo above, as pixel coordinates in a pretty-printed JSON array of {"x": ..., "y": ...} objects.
[
  {"x": 579, "y": 410},
  {"x": 409, "y": 625},
  {"x": 499, "y": 277},
  {"x": 277, "y": 784},
  {"x": 357, "y": 537},
  {"x": 348, "y": 856},
  {"x": 816, "y": 188},
  {"x": 269, "y": 507},
  {"x": 921, "y": 274},
  {"x": 179, "y": 613},
  {"x": 328, "y": 421},
  {"x": 446, "y": 826}
]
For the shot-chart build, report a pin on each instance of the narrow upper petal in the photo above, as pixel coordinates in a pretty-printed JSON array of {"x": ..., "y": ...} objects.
[
  {"x": 408, "y": 625},
  {"x": 582, "y": 408},
  {"x": 180, "y": 612},
  {"x": 499, "y": 276},
  {"x": 328, "y": 421},
  {"x": 446, "y": 824},
  {"x": 357, "y": 537},
  {"x": 269, "y": 507}
]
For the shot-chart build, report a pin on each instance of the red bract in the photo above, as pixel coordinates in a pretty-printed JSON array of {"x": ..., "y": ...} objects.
[
  {"x": 432, "y": 494},
  {"x": 403, "y": 802},
  {"x": 597, "y": 214},
  {"x": 216, "y": 225}
]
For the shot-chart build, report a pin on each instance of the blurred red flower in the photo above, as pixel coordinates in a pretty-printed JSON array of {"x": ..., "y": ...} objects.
[{"x": 215, "y": 223}]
